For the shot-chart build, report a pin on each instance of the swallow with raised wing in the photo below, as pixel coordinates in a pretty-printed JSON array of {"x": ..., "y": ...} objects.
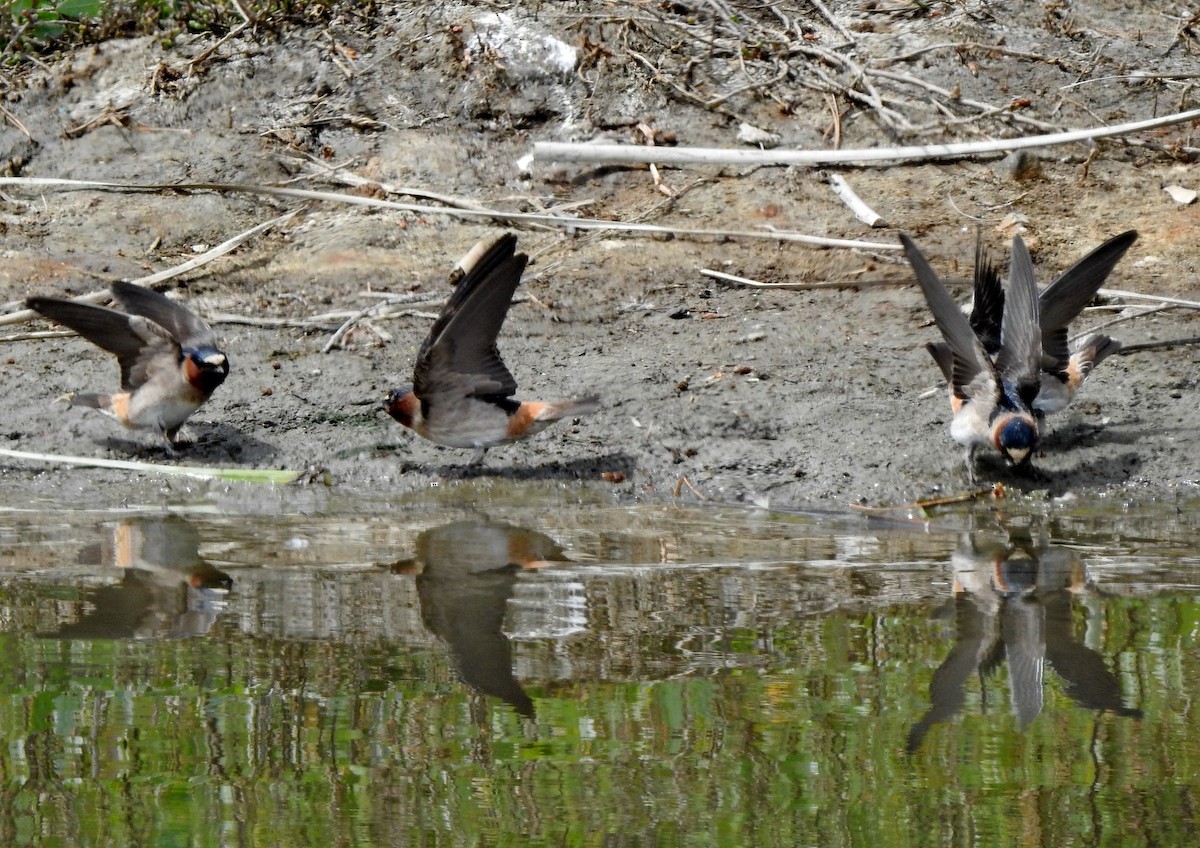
[
  {"x": 170, "y": 363},
  {"x": 462, "y": 393},
  {"x": 992, "y": 401},
  {"x": 1063, "y": 371}
]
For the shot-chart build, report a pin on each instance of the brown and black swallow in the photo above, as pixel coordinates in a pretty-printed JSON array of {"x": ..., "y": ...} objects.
[
  {"x": 462, "y": 392},
  {"x": 169, "y": 360},
  {"x": 992, "y": 400},
  {"x": 1062, "y": 371}
]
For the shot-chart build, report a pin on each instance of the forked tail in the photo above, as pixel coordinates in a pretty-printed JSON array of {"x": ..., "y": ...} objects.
[
  {"x": 92, "y": 401},
  {"x": 559, "y": 409},
  {"x": 1094, "y": 350}
]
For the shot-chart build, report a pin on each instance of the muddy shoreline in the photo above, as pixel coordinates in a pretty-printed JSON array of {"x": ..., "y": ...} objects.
[{"x": 792, "y": 398}]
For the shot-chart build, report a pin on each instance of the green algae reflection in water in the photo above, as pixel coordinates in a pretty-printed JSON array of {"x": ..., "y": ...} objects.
[{"x": 831, "y": 688}]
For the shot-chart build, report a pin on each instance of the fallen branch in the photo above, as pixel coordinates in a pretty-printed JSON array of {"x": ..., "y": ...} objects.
[
  {"x": 549, "y": 151},
  {"x": 1121, "y": 319}
]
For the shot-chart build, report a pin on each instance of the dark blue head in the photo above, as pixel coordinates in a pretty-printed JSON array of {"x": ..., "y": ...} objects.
[
  {"x": 205, "y": 368},
  {"x": 1016, "y": 436}
]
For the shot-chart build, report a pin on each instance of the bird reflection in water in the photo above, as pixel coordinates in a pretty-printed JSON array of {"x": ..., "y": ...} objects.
[
  {"x": 466, "y": 572},
  {"x": 166, "y": 589},
  {"x": 1013, "y": 603}
]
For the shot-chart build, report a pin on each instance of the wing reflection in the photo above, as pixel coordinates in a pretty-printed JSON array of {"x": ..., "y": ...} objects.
[
  {"x": 1014, "y": 604},
  {"x": 465, "y": 574},
  {"x": 166, "y": 589}
]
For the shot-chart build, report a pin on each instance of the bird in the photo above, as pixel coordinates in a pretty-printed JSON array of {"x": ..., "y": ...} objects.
[
  {"x": 992, "y": 400},
  {"x": 1063, "y": 371},
  {"x": 462, "y": 393},
  {"x": 169, "y": 359}
]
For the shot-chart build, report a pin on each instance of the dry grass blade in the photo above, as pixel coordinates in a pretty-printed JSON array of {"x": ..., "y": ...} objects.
[
  {"x": 996, "y": 491},
  {"x": 823, "y": 284},
  {"x": 208, "y": 472}
]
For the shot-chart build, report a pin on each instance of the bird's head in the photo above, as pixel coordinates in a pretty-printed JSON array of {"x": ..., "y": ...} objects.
[
  {"x": 404, "y": 406},
  {"x": 1016, "y": 436},
  {"x": 205, "y": 368}
]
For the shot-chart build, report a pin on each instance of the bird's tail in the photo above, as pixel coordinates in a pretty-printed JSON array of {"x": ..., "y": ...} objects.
[
  {"x": 559, "y": 409},
  {"x": 92, "y": 401},
  {"x": 1092, "y": 352}
]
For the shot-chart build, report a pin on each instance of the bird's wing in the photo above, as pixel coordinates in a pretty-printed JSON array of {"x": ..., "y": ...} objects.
[
  {"x": 141, "y": 346},
  {"x": 972, "y": 376},
  {"x": 1020, "y": 359},
  {"x": 987, "y": 310},
  {"x": 460, "y": 353},
  {"x": 1065, "y": 298},
  {"x": 181, "y": 322}
]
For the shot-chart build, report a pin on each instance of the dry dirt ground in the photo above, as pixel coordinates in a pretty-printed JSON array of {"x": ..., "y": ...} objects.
[{"x": 800, "y": 396}]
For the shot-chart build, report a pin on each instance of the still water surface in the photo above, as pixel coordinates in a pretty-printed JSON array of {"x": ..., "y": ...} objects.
[{"x": 584, "y": 674}]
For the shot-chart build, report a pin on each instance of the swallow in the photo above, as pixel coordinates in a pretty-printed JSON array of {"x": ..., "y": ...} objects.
[
  {"x": 462, "y": 393},
  {"x": 1063, "y": 371},
  {"x": 992, "y": 401},
  {"x": 169, "y": 360}
]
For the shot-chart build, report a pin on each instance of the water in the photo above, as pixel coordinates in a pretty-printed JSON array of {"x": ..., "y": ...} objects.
[{"x": 570, "y": 672}]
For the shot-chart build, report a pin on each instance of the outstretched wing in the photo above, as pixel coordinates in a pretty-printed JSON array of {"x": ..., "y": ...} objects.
[
  {"x": 972, "y": 375},
  {"x": 1020, "y": 358},
  {"x": 179, "y": 321},
  {"x": 1065, "y": 298},
  {"x": 1019, "y": 361},
  {"x": 460, "y": 354},
  {"x": 987, "y": 310},
  {"x": 141, "y": 346}
]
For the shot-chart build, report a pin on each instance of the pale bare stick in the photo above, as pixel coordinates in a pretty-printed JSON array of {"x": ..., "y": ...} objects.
[
  {"x": 1138, "y": 348},
  {"x": 628, "y": 154},
  {"x": 834, "y": 22},
  {"x": 316, "y": 322},
  {"x": 799, "y": 286},
  {"x": 23, "y": 315},
  {"x": 847, "y": 195},
  {"x": 1121, "y": 320},
  {"x": 38, "y": 334},
  {"x": 1154, "y": 298},
  {"x": 250, "y": 475},
  {"x": 340, "y": 333},
  {"x": 554, "y": 220},
  {"x": 341, "y": 175}
]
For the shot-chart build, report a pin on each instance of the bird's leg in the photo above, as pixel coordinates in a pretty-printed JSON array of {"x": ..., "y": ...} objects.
[
  {"x": 477, "y": 458},
  {"x": 169, "y": 441},
  {"x": 969, "y": 460}
]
